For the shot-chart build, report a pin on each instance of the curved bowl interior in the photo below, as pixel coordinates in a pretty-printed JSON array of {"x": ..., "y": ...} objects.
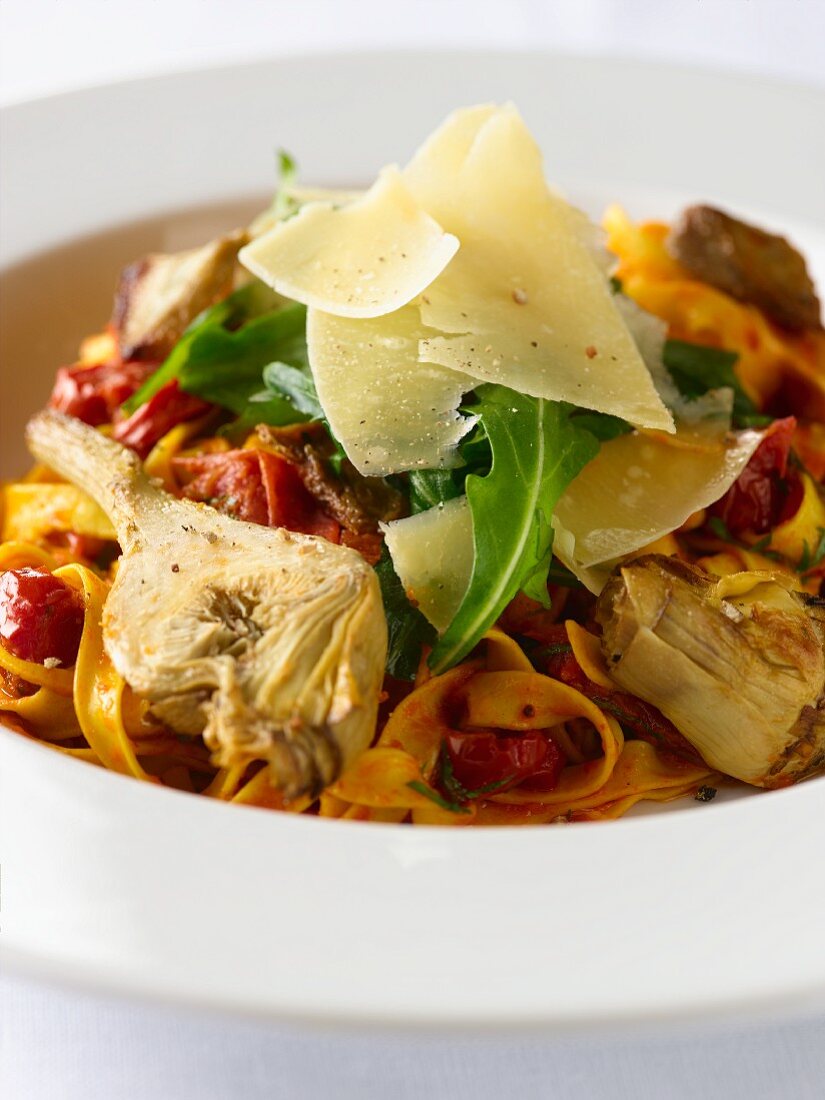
[{"x": 112, "y": 883}]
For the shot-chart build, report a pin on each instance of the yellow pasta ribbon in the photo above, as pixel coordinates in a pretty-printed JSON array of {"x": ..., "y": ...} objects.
[
  {"x": 260, "y": 791},
  {"x": 49, "y": 715},
  {"x": 804, "y": 528},
  {"x": 23, "y": 555},
  {"x": 531, "y": 701},
  {"x": 31, "y": 511},
  {"x": 58, "y": 680},
  {"x": 640, "y": 773},
  {"x": 159, "y": 460},
  {"x": 98, "y": 688}
]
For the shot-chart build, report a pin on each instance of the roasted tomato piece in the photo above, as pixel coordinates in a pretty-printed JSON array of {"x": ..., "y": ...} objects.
[
  {"x": 256, "y": 487},
  {"x": 41, "y": 617},
  {"x": 368, "y": 546},
  {"x": 765, "y": 492},
  {"x": 546, "y": 778},
  {"x": 94, "y": 394},
  {"x": 501, "y": 761},
  {"x": 229, "y": 481},
  {"x": 290, "y": 503},
  {"x": 636, "y": 717},
  {"x": 358, "y": 503},
  {"x": 163, "y": 411}
]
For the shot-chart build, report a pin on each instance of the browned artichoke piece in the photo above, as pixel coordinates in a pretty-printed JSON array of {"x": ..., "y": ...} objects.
[
  {"x": 736, "y": 663},
  {"x": 747, "y": 263},
  {"x": 269, "y": 643},
  {"x": 159, "y": 296}
]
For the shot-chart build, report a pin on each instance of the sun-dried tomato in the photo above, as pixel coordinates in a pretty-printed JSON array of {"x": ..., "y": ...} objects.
[
  {"x": 163, "y": 411},
  {"x": 768, "y": 490},
  {"x": 257, "y": 487},
  {"x": 94, "y": 394},
  {"x": 41, "y": 617}
]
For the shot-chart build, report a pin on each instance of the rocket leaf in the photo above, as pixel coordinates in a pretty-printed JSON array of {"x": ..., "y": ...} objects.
[{"x": 537, "y": 450}]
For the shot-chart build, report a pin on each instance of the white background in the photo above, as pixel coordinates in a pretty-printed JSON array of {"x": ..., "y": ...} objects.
[
  {"x": 50, "y": 45},
  {"x": 62, "y": 1045}
]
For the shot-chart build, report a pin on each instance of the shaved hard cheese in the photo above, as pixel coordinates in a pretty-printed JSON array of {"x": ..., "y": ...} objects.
[
  {"x": 441, "y": 158},
  {"x": 432, "y": 553},
  {"x": 389, "y": 411},
  {"x": 365, "y": 259},
  {"x": 294, "y": 198},
  {"x": 523, "y": 303},
  {"x": 638, "y": 488}
]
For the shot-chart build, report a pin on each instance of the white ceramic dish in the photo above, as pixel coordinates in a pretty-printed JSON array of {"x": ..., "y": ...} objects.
[{"x": 111, "y": 883}]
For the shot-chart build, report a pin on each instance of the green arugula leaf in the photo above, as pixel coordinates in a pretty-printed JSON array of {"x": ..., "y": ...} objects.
[
  {"x": 560, "y": 575},
  {"x": 284, "y": 205},
  {"x": 762, "y": 546},
  {"x": 696, "y": 369},
  {"x": 428, "y": 488},
  {"x": 226, "y": 367},
  {"x": 293, "y": 388},
  {"x": 812, "y": 557},
  {"x": 434, "y": 796},
  {"x": 250, "y": 301},
  {"x": 602, "y": 425},
  {"x": 296, "y": 385},
  {"x": 408, "y": 630},
  {"x": 537, "y": 451}
]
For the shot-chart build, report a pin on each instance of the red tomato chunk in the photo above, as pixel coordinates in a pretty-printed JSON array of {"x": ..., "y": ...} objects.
[
  {"x": 257, "y": 487},
  {"x": 766, "y": 492},
  {"x": 634, "y": 715},
  {"x": 94, "y": 394},
  {"x": 502, "y": 761},
  {"x": 41, "y": 616},
  {"x": 163, "y": 411}
]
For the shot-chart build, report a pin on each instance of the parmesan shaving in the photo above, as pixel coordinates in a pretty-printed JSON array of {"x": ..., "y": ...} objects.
[
  {"x": 364, "y": 259},
  {"x": 432, "y": 553},
  {"x": 441, "y": 158},
  {"x": 389, "y": 411},
  {"x": 523, "y": 303},
  {"x": 638, "y": 488}
]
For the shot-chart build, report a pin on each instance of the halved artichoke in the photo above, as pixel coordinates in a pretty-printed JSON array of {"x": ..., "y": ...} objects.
[
  {"x": 158, "y": 296},
  {"x": 271, "y": 644},
  {"x": 737, "y": 663}
]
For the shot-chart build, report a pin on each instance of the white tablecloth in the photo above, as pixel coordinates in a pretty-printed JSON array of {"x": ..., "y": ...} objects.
[{"x": 58, "y": 1044}]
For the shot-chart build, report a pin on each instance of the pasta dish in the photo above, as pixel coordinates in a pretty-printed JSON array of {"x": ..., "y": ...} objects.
[{"x": 434, "y": 503}]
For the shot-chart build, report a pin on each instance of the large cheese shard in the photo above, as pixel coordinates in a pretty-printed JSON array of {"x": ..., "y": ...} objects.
[
  {"x": 389, "y": 411},
  {"x": 442, "y": 156},
  {"x": 364, "y": 259},
  {"x": 432, "y": 553},
  {"x": 640, "y": 487},
  {"x": 523, "y": 303}
]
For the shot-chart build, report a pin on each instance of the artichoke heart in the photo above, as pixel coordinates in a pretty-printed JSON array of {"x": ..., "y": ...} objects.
[
  {"x": 736, "y": 663},
  {"x": 271, "y": 644}
]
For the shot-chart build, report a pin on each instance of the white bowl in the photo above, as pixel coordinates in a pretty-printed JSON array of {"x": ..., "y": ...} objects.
[{"x": 112, "y": 883}]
